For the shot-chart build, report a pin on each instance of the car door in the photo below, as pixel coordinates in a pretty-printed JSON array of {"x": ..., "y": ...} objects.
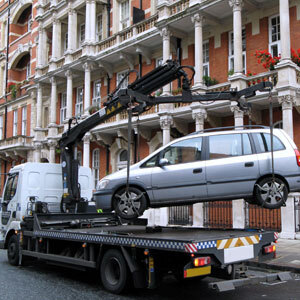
[
  {"x": 182, "y": 179},
  {"x": 232, "y": 166}
]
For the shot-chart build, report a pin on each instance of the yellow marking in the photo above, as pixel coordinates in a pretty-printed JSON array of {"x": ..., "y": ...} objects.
[
  {"x": 197, "y": 271},
  {"x": 249, "y": 240},
  {"x": 237, "y": 242},
  {"x": 227, "y": 243}
]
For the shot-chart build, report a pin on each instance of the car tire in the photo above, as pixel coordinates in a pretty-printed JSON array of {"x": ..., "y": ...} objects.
[
  {"x": 114, "y": 272},
  {"x": 13, "y": 250},
  {"x": 129, "y": 209},
  {"x": 274, "y": 200}
]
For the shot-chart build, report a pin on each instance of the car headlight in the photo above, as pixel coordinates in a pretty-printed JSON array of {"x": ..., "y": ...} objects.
[{"x": 102, "y": 184}]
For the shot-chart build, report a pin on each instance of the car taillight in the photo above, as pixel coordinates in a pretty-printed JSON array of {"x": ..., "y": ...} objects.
[
  {"x": 202, "y": 261},
  {"x": 269, "y": 249},
  {"x": 297, "y": 156}
]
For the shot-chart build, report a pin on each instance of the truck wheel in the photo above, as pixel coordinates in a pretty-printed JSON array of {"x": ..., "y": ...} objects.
[
  {"x": 271, "y": 194},
  {"x": 114, "y": 272},
  {"x": 13, "y": 250},
  {"x": 129, "y": 205}
]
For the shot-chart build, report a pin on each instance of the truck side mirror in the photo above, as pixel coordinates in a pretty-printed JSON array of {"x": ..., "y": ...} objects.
[
  {"x": 32, "y": 198},
  {"x": 163, "y": 162}
]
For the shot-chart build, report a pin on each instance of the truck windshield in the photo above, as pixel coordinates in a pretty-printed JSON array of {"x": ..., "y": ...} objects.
[{"x": 11, "y": 187}]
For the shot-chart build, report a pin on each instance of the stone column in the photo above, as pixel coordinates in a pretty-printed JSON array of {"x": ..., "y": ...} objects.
[
  {"x": 238, "y": 116},
  {"x": 166, "y": 121},
  {"x": 93, "y": 21},
  {"x": 56, "y": 39},
  {"x": 287, "y": 102},
  {"x": 87, "y": 87},
  {"x": 199, "y": 115},
  {"x": 237, "y": 35},
  {"x": 69, "y": 75},
  {"x": 72, "y": 29},
  {"x": 42, "y": 46},
  {"x": 86, "y": 150},
  {"x": 37, "y": 152},
  {"x": 53, "y": 101},
  {"x": 197, "y": 19},
  {"x": 52, "y": 145},
  {"x": 285, "y": 30},
  {"x": 166, "y": 35},
  {"x": 87, "y": 20},
  {"x": 3, "y": 31},
  {"x": 39, "y": 103}
]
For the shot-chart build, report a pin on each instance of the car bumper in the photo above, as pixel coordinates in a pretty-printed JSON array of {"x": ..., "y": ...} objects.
[
  {"x": 294, "y": 183},
  {"x": 103, "y": 200}
]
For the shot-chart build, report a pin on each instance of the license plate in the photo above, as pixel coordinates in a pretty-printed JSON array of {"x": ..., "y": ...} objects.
[{"x": 238, "y": 253}]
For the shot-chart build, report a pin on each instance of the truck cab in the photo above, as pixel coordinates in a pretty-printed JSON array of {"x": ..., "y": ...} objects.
[{"x": 30, "y": 183}]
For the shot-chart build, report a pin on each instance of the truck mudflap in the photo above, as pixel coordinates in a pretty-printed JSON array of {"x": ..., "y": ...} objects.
[{"x": 229, "y": 285}]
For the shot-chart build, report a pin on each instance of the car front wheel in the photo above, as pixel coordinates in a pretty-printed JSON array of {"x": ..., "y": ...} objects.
[
  {"x": 271, "y": 193},
  {"x": 129, "y": 205}
]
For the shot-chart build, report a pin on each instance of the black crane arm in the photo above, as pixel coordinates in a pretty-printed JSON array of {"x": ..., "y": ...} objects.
[{"x": 138, "y": 97}]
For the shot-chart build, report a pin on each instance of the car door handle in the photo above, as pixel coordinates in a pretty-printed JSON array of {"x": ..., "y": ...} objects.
[
  {"x": 249, "y": 164},
  {"x": 195, "y": 171}
]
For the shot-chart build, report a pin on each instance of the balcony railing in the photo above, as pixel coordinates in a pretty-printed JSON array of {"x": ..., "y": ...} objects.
[
  {"x": 179, "y": 6},
  {"x": 271, "y": 76},
  {"x": 16, "y": 141}
]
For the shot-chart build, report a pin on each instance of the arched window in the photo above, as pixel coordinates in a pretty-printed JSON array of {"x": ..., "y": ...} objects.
[
  {"x": 122, "y": 159},
  {"x": 96, "y": 166}
]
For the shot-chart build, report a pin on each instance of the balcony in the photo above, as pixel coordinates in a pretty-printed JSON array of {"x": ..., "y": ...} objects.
[{"x": 16, "y": 146}]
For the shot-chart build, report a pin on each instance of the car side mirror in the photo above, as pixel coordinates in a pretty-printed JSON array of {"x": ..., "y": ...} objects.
[{"x": 163, "y": 162}]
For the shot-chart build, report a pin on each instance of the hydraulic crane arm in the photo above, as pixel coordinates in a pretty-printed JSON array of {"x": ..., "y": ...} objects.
[{"x": 137, "y": 97}]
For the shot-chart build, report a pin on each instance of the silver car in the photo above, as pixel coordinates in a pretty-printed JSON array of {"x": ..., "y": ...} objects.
[{"x": 210, "y": 166}]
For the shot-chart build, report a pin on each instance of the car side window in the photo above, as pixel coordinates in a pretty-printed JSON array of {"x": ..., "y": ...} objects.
[
  {"x": 247, "y": 150},
  {"x": 264, "y": 143},
  {"x": 151, "y": 162},
  {"x": 225, "y": 145},
  {"x": 184, "y": 151}
]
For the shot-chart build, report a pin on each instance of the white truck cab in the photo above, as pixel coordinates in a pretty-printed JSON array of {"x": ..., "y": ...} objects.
[{"x": 39, "y": 181}]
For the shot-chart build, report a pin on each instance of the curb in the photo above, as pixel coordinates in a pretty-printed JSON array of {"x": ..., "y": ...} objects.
[{"x": 273, "y": 266}]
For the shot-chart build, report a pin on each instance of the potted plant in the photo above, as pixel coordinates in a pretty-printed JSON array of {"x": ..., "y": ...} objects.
[{"x": 208, "y": 81}]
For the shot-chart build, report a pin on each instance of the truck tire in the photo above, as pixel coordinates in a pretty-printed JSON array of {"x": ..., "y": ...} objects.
[
  {"x": 129, "y": 209},
  {"x": 13, "y": 250},
  {"x": 114, "y": 272},
  {"x": 273, "y": 199}
]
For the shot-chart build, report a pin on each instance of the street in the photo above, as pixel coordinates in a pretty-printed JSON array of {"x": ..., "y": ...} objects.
[{"x": 41, "y": 281}]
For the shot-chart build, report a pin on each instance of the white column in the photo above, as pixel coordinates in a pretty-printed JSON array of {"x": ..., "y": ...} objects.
[
  {"x": 87, "y": 20},
  {"x": 238, "y": 116},
  {"x": 37, "y": 152},
  {"x": 285, "y": 29},
  {"x": 52, "y": 145},
  {"x": 53, "y": 101},
  {"x": 42, "y": 42},
  {"x": 72, "y": 29},
  {"x": 287, "y": 102},
  {"x": 166, "y": 121},
  {"x": 69, "y": 94},
  {"x": 1, "y": 80},
  {"x": 166, "y": 35},
  {"x": 87, "y": 87},
  {"x": 199, "y": 115},
  {"x": 197, "y": 19},
  {"x": 288, "y": 219},
  {"x": 2, "y": 35},
  {"x": 237, "y": 34},
  {"x": 56, "y": 39},
  {"x": 93, "y": 21},
  {"x": 86, "y": 150},
  {"x": 39, "y": 103}
]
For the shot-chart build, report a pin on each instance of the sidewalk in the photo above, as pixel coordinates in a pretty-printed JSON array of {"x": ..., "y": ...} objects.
[{"x": 287, "y": 257}]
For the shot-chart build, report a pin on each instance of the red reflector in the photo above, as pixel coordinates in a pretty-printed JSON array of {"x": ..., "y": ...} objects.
[
  {"x": 269, "y": 249},
  {"x": 202, "y": 261},
  {"x": 297, "y": 156}
]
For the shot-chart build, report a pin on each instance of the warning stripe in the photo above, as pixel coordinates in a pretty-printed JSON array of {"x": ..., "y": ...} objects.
[
  {"x": 190, "y": 248},
  {"x": 237, "y": 242}
]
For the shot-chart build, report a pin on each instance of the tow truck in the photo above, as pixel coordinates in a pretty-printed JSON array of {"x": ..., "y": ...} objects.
[{"x": 123, "y": 250}]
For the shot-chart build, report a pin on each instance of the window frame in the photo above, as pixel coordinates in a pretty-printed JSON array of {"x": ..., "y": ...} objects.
[
  {"x": 231, "y": 51},
  {"x": 1, "y": 127},
  {"x": 95, "y": 102},
  {"x": 126, "y": 20},
  {"x": 96, "y": 166},
  {"x": 66, "y": 41},
  {"x": 79, "y": 104},
  {"x": 81, "y": 33},
  {"x": 24, "y": 121},
  {"x": 118, "y": 80},
  {"x": 205, "y": 63},
  {"x": 15, "y": 122},
  {"x": 99, "y": 17},
  {"x": 277, "y": 42},
  {"x": 63, "y": 109}
]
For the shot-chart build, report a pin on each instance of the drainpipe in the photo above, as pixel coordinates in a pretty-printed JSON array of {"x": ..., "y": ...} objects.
[
  {"x": 179, "y": 56},
  {"x": 108, "y": 7}
]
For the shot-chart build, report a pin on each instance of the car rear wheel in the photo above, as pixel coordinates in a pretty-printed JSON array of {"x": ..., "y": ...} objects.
[
  {"x": 129, "y": 205},
  {"x": 271, "y": 194}
]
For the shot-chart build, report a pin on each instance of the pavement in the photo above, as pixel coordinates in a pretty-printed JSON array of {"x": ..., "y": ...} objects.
[{"x": 287, "y": 257}]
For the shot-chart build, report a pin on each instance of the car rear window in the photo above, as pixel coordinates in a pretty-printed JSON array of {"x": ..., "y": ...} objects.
[{"x": 263, "y": 143}]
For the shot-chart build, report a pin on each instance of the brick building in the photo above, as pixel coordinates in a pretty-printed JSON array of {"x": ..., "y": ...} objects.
[{"x": 61, "y": 58}]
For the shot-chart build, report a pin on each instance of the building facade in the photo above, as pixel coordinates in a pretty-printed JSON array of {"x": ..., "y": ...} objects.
[{"x": 60, "y": 59}]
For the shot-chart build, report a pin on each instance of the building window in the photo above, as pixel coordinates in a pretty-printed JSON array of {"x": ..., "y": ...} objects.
[
  {"x": 120, "y": 77},
  {"x": 99, "y": 27},
  {"x": 79, "y": 157},
  {"x": 66, "y": 41},
  {"x": 82, "y": 34},
  {"x": 28, "y": 70},
  {"x": 79, "y": 101},
  {"x": 15, "y": 123},
  {"x": 124, "y": 14},
  {"x": 97, "y": 94},
  {"x": 96, "y": 166},
  {"x": 122, "y": 160},
  {"x": 63, "y": 107},
  {"x": 274, "y": 36},
  {"x": 206, "y": 58},
  {"x": 24, "y": 120},
  {"x": 1, "y": 127},
  {"x": 231, "y": 51}
]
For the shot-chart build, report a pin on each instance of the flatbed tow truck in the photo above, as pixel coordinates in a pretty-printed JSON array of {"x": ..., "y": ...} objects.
[{"x": 129, "y": 250}]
